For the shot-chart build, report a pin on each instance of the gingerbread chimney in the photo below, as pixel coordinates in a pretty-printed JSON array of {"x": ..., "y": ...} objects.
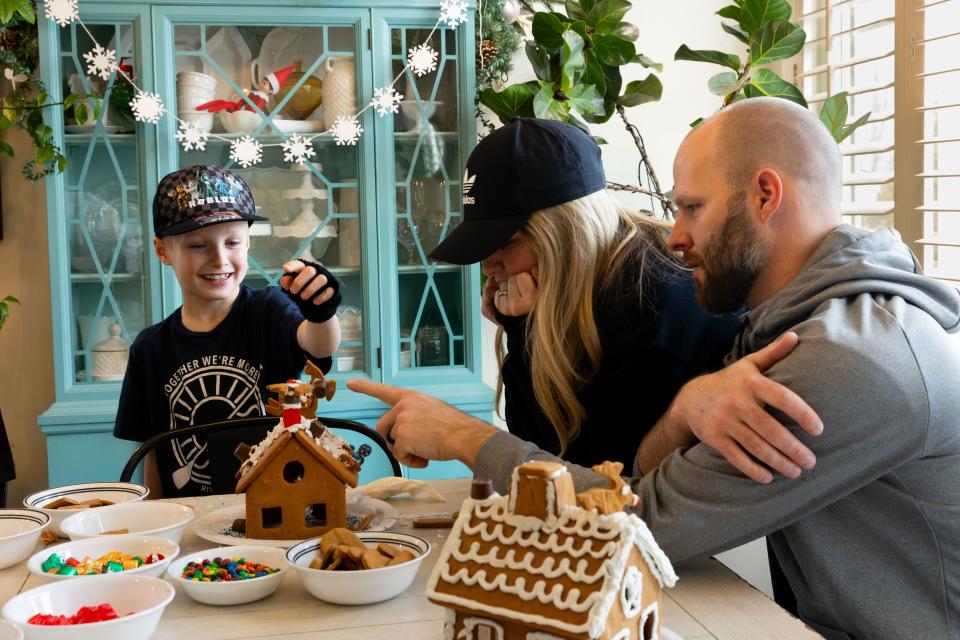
[{"x": 541, "y": 489}]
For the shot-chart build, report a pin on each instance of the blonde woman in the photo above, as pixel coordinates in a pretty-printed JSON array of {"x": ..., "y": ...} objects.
[{"x": 601, "y": 320}]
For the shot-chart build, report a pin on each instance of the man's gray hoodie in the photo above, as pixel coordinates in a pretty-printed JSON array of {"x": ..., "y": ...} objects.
[{"x": 870, "y": 538}]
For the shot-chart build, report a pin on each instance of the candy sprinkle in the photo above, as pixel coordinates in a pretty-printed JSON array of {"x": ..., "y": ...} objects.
[{"x": 224, "y": 570}]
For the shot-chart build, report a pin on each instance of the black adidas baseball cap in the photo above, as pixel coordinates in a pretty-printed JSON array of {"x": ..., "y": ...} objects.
[
  {"x": 520, "y": 168},
  {"x": 199, "y": 196}
]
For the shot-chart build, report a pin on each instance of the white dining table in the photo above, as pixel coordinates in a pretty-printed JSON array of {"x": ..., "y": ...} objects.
[{"x": 708, "y": 601}]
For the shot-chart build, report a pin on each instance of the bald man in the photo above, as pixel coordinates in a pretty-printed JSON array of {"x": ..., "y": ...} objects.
[{"x": 869, "y": 538}]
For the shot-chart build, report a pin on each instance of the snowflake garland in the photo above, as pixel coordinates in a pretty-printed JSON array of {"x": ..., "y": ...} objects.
[
  {"x": 422, "y": 59},
  {"x": 101, "y": 62},
  {"x": 453, "y": 13},
  {"x": 63, "y": 12},
  {"x": 386, "y": 100},
  {"x": 190, "y": 136},
  {"x": 147, "y": 107},
  {"x": 297, "y": 149},
  {"x": 246, "y": 151},
  {"x": 346, "y": 130}
]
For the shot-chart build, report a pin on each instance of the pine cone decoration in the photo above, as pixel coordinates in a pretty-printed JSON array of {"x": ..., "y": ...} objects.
[
  {"x": 489, "y": 50},
  {"x": 9, "y": 39}
]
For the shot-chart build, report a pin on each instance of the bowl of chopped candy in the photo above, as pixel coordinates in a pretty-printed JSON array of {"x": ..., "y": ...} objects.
[
  {"x": 130, "y": 553},
  {"x": 229, "y": 575}
]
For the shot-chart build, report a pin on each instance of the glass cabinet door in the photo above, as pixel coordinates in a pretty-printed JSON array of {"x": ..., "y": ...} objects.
[
  {"x": 427, "y": 187},
  {"x": 104, "y": 229},
  {"x": 313, "y": 206}
]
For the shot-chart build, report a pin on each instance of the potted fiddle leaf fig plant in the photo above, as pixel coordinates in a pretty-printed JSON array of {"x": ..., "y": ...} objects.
[
  {"x": 5, "y": 308},
  {"x": 764, "y": 27}
]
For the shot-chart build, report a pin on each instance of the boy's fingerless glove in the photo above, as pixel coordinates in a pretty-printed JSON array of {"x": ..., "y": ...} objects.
[{"x": 318, "y": 312}]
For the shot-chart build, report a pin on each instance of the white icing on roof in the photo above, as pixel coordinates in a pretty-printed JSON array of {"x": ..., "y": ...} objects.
[{"x": 331, "y": 442}]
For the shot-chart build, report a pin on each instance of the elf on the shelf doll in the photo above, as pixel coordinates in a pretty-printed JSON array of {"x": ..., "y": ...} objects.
[{"x": 269, "y": 86}]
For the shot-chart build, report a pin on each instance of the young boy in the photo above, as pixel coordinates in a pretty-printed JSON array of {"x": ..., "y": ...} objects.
[{"x": 212, "y": 358}]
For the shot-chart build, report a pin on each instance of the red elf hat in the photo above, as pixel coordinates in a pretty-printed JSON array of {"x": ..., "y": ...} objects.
[{"x": 278, "y": 77}]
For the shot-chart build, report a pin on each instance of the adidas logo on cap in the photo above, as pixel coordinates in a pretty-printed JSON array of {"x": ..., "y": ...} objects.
[{"x": 468, "y": 181}]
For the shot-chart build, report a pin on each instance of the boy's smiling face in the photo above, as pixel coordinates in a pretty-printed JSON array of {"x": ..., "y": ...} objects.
[{"x": 209, "y": 263}]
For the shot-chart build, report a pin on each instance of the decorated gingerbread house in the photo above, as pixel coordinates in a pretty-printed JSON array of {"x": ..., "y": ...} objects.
[
  {"x": 536, "y": 565},
  {"x": 295, "y": 478}
]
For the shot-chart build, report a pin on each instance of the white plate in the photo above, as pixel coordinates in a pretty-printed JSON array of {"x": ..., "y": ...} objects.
[
  {"x": 210, "y": 526},
  {"x": 298, "y": 126},
  {"x": 228, "y": 48},
  {"x": 667, "y": 634},
  {"x": 88, "y": 128}
]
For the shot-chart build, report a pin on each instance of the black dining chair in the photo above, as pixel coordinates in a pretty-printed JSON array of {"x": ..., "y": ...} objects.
[
  {"x": 7, "y": 470},
  {"x": 222, "y": 439}
]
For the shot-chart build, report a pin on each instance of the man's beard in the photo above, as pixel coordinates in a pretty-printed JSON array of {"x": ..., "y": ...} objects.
[{"x": 731, "y": 262}]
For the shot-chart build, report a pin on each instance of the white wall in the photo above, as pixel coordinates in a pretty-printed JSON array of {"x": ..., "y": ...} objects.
[{"x": 664, "y": 26}]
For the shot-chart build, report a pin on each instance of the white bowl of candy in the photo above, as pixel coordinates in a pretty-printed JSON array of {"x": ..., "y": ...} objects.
[
  {"x": 137, "y": 601},
  {"x": 19, "y": 533},
  {"x": 10, "y": 631},
  {"x": 362, "y": 585},
  {"x": 129, "y": 554},
  {"x": 61, "y": 502},
  {"x": 165, "y": 519},
  {"x": 230, "y": 575}
]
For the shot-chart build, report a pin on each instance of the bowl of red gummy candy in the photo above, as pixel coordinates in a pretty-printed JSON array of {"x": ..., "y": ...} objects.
[
  {"x": 230, "y": 575},
  {"x": 115, "y": 607}
]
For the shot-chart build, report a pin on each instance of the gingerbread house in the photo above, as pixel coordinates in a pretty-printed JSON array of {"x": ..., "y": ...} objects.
[{"x": 537, "y": 566}]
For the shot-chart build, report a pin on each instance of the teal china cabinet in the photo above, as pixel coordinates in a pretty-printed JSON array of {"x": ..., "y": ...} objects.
[{"x": 371, "y": 212}]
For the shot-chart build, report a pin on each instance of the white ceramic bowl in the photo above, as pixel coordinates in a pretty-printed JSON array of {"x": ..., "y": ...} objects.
[
  {"x": 131, "y": 544},
  {"x": 19, "y": 532},
  {"x": 142, "y": 597},
  {"x": 235, "y": 592},
  {"x": 196, "y": 79},
  {"x": 164, "y": 519},
  {"x": 359, "y": 587},
  {"x": 10, "y": 631},
  {"x": 240, "y": 121},
  {"x": 116, "y": 492},
  {"x": 202, "y": 119}
]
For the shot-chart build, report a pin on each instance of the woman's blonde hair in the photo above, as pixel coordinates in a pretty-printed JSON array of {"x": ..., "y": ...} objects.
[{"x": 581, "y": 246}]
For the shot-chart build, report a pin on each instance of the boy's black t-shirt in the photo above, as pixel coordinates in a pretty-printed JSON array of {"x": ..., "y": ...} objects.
[{"x": 176, "y": 377}]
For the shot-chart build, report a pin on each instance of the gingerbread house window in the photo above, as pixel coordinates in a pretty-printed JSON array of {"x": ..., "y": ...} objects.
[
  {"x": 272, "y": 517},
  {"x": 631, "y": 592},
  {"x": 649, "y": 623},
  {"x": 293, "y": 471},
  {"x": 315, "y": 515},
  {"x": 481, "y": 629}
]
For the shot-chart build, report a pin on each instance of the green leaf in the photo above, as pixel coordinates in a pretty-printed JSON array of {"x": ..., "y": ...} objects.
[
  {"x": 856, "y": 124},
  {"x": 593, "y": 74},
  {"x": 11, "y": 299},
  {"x": 731, "y": 12},
  {"x": 61, "y": 163},
  {"x": 43, "y": 133},
  {"x": 705, "y": 55},
  {"x": 6, "y": 149},
  {"x": 4, "y": 122},
  {"x": 9, "y": 7},
  {"x": 640, "y": 91},
  {"x": 575, "y": 10},
  {"x": 647, "y": 62},
  {"x": 756, "y": 13},
  {"x": 587, "y": 5},
  {"x": 581, "y": 28},
  {"x": 71, "y": 99},
  {"x": 585, "y": 99},
  {"x": 572, "y": 62},
  {"x": 548, "y": 30},
  {"x": 833, "y": 113},
  {"x": 775, "y": 41},
  {"x": 723, "y": 83},
  {"x": 80, "y": 112},
  {"x": 605, "y": 16},
  {"x": 696, "y": 122},
  {"x": 26, "y": 11},
  {"x": 516, "y": 100},
  {"x": 545, "y": 105},
  {"x": 627, "y": 31},
  {"x": 613, "y": 50},
  {"x": 764, "y": 82},
  {"x": 44, "y": 154},
  {"x": 735, "y": 32},
  {"x": 541, "y": 61}
]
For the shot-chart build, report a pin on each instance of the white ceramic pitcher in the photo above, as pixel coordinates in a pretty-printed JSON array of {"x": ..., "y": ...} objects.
[{"x": 339, "y": 89}]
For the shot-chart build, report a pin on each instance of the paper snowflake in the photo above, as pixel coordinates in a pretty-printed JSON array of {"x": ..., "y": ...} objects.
[
  {"x": 101, "y": 62},
  {"x": 190, "y": 136},
  {"x": 346, "y": 130},
  {"x": 246, "y": 151},
  {"x": 147, "y": 107},
  {"x": 453, "y": 13},
  {"x": 386, "y": 100},
  {"x": 63, "y": 12},
  {"x": 422, "y": 59},
  {"x": 297, "y": 149}
]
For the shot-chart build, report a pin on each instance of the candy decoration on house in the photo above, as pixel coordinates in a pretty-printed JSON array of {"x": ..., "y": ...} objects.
[
  {"x": 296, "y": 400},
  {"x": 345, "y": 130},
  {"x": 540, "y": 563},
  {"x": 268, "y": 87}
]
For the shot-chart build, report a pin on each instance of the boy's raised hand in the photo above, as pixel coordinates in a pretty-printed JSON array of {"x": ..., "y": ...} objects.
[{"x": 313, "y": 288}]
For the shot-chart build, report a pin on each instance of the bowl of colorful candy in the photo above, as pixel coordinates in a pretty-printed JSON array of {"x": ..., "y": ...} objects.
[
  {"x": 129, "y": 554},
  {"x": 10, "y": 631},
  {"x": 151, "y": 518},
  {"x": 229, "y": 575},
  {"x": 61, "y": 502},
  {"x": 118, "y": 607},
  {"x": 344, "y": 567},
  {"x": 19, "y": 533}
]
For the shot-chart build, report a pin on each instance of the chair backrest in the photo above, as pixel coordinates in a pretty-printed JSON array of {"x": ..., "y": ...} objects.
[
  {"x": 7, "y": 471},
  {"x": 223, "y": 437}
]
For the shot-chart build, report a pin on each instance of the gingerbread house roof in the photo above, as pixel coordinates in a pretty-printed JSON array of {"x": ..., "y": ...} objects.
[
  {"x": 562, "y": 572},
  {"x": 278, "y": 439}
]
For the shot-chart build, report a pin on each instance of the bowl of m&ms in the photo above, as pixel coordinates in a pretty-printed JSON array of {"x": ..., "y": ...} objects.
[
  {"x": 62, "y": 502},
  {"x": 118, "y": 607},
  {"x": 229, "y": 575},
  {"x": 130, "y": 554},
  {"x": 20, "y": 531}
]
